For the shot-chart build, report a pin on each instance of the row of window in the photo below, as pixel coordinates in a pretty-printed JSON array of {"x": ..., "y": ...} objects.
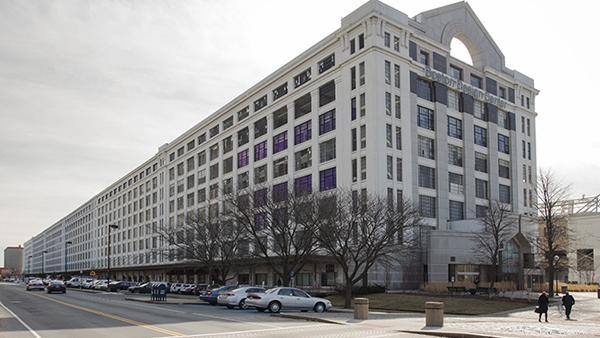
[
  {"x": 456, "y": 184},
  {"x": 260, "y": 103},
  {"x": 456, "y": 209},
  {"x": 426, "y": 119},
  {"x": 302, "y": 133},
  {"x": 301, "y": 186},
  {"x": 302, "y": 160}
]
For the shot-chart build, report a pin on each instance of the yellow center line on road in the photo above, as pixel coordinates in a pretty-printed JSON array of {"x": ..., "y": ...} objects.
[{"x": 115, "y": 317}]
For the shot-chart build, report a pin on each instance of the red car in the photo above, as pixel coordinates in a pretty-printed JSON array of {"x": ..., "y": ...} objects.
[{"x": 56, "y": 286}]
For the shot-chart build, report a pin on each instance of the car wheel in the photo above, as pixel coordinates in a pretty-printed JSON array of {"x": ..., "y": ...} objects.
[
  {"x": 274, "y": 307},
  {"x": 229, "y": 306},
  {"x": 319, "y": 307},
  {"x": 64, "y": 291},
  {"x": 243, "y": 305}
]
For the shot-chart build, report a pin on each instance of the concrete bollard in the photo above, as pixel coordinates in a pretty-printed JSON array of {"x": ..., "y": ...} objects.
[
  {"x": 434, "y": 314},
  {"x": 361, "y": 308}
]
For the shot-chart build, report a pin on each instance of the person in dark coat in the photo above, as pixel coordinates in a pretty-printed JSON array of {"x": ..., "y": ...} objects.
[
  {"x": 543, "y": 306},
  {"x": 568, "y": 301}
]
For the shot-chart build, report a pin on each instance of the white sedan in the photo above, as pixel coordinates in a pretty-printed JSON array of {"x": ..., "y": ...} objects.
[
  {"x": 284, "y": 298},
  {"x": 237, "y": 297}
]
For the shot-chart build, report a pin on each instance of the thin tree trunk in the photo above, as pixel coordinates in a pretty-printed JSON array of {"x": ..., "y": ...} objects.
[{"x": 348, "y": 295}]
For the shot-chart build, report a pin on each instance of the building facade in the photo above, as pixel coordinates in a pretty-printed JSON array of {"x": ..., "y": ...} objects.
[
  {"x": 583, "y": 221},
  {"x": 378, "y": 106},
  {"x": 13, "y": 259}
]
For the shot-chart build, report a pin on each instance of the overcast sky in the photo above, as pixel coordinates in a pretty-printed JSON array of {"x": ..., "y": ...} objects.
[{"x": 90, "y": 89}]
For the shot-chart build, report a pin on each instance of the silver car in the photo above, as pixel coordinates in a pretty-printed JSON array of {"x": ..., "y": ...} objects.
[
  {"x": 284, "y": 298},
  {"x": 237, "y": 297}
]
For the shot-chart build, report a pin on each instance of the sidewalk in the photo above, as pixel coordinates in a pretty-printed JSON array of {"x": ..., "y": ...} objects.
[{"x": 523, "y": 323}]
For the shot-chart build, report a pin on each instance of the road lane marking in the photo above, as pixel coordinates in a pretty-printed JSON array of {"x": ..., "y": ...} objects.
[
  {"x": 197, "y": 314},
  {"x": 233, "y": 320},
  {"x": 115, "y": 317},
  {"x": 249, "y": 331},
  {"x": 33, "y": 333}
]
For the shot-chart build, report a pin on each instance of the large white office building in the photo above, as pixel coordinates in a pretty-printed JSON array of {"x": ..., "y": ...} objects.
[{"x": 379, "y": 105}]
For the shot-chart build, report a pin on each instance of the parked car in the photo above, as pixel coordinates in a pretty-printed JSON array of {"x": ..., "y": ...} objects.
[
  {"x": 202, "y": 288},
  {"x": 146, "y": 287},
  {"x": 87, "y": 283},
  {"x": 183, "y": 287},
  {"x": 34, "y": 284},
  {"x": 188, "y": 289},
  {"x": 285, "y": 298},
  {"x": 175, "y": 287},
  {"x": 74, "y": 282},
  {"x": 210, "y": 296},
  {"x": 100, "y": 284},
  {"x": 56, "y": 286},
  {"x": 120, "y": 285},
  {"x": 143, "y": 288},
  {"x": 237, "y": 297}
]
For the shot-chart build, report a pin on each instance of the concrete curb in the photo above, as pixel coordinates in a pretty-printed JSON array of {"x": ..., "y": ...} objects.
[
  {"x": 160, "y": 302},
  {"x": 449, "y": 334},
  {"x": 307, "y": 318},
  {"x": 85, "y": 290},
  {"x": 381, "y": 312}
]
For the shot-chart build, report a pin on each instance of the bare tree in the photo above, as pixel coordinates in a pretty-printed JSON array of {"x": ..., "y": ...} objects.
[
  {"x": 210, "y": 241},
  {"x": 280, "y": 225},
  {"x": 499, "y": 226},
  {"x": 359, "y": 233},
  {"x": 553, "y": 240}
]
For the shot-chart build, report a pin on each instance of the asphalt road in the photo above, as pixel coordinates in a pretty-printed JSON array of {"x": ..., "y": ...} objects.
[{"x": 107, "y": 315}]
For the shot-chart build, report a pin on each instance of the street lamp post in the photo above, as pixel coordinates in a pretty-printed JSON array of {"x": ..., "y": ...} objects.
[
  {"x": 110, "y": 226},
  {"x": 67, "y": 243},
  {"x": 556, "y": 259},
  {"x": 43, "y": 261}
]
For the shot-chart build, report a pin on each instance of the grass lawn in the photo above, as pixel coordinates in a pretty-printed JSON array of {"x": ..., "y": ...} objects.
[{"x": 464, "y": 305}]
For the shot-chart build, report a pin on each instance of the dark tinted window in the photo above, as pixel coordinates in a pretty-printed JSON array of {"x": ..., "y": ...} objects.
[{"x": 285, "y": 292}]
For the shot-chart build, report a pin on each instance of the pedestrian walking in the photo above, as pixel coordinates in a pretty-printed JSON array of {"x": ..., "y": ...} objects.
[
  {"x": 542, "y": 306},
  {"x": 568, "y": 301}
]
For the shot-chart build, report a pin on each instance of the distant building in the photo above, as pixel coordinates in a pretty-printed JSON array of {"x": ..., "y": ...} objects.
[
  {"x": 584, "y": 243},
  {"x": 13, "y": 258}
]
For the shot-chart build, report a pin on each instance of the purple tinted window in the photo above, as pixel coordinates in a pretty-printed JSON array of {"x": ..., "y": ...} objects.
[
  {"x": 327, "y": 179},
  {"x": 303, "y": 185},
  {"x": 302, "y": 132},
  {"x": 327, "y": 122},
  {"x": 243, "y": 158},
  {"x": 280, "y": 142},
  {"x": 260, "y": 151},
  {"x": 280, "y": 192},
  {"x": 260, "y": 197},
  {"x": 260, "y": 220}
]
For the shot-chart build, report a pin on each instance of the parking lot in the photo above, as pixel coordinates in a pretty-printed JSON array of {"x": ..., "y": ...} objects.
[{"x": 105, "y": 314}]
